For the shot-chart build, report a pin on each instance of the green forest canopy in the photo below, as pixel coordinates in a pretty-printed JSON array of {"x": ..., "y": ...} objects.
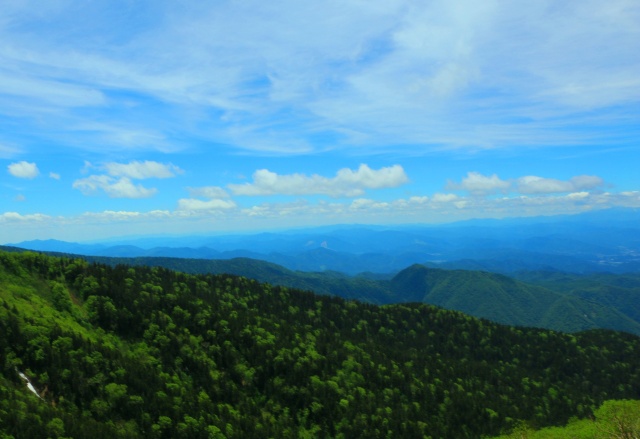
[{"x": 149, "y": 352}]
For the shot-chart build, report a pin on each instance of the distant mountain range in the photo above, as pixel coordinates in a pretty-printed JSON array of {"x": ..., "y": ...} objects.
[{"x": 602, "y": 241}]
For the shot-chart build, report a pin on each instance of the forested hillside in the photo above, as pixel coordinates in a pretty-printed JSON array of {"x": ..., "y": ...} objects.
[
  {"x": 149, "y": 352},
  {"x": 618, "y": 291},
  {"x": 554, "y": 303},
  {"x": 506, "y": 300}
]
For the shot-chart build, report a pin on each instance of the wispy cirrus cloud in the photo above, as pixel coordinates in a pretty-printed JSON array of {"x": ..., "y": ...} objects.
[
  {"x": 142, "y": 170},
  {"x": 8, "y": 151},
  {"x": 268, "y": 77}
]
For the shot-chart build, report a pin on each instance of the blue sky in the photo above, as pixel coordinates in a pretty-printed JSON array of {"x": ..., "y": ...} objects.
[{"x": 149, "y": 117}]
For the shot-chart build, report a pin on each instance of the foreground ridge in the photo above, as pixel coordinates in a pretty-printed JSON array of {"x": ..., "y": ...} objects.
[{"x": 149, "y": 352}]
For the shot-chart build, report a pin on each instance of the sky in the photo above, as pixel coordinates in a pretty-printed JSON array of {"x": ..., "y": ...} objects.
[{"x": 129, "y": 118}]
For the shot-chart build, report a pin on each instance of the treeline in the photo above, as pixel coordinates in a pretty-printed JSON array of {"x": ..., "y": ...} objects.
[{"x": 148, "y": 352}]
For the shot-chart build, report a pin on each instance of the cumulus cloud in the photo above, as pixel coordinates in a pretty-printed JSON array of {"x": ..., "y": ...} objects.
[
  {"x": 17, "y": 217},
  {"x": 217, "y": 199},
  {"x": 478, "y": 184},
  {"x": 365, "y": 203},
  {"x": 538, "y": 185},
  {"x": 117, "y": 182},
  {"x": 208, "y": 192},
  {"x": 346, "y": 183},
  {"x": 23, "y": 170},
  {"x": 142, "y": 170},
  {"x": 192, "y": 204},
  {"x": 444, "y": 198},
  {"x": 113, "y": 187}
]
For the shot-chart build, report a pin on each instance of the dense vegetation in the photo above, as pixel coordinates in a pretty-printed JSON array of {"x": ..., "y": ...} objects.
[
  {"x": 617, "y": 291},
  {"x": 149, "y": 352},
  {"x": 559, "y": 301},
  {"x": 506, "y": 300}
]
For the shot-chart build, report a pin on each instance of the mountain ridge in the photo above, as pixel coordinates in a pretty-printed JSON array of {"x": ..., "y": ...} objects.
[
  {"x": 595, "y": 242},
  {"x": 494, "y": 296}
]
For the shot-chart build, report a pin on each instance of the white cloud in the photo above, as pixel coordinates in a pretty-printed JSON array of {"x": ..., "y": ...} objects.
[
  {"x": 122, "y": 216},
  {"x": 586, "y": 182},
  {"x": 346, "y": 183},
  {"x": 113, "y": 187},
  {"x": 208, "y": 192},
  {"x": 113, "y": 215},
  {"x": 118, "y": 183},
  {"x": 434, "y": 74},
  {"x": 367, "y": 204},
  {"x": 202, "y": 214},
  {"x": 20, "y": 197},
  {"x": 54, "y": 175},
  {"x": 478, "y": 184},
  {"x": 23, "y": 170},
  {"x": 444, "y": 198},
  {"x": 142, "y": 170},
  {"x": 539, "y": 185},
  {"x": 191, "y": 204},
  {"x": 578, "y": 195},
  {"x": 217, "y": 200},
  {"x": 17, "y": 217},
  {"x": 419, "y": 200}
]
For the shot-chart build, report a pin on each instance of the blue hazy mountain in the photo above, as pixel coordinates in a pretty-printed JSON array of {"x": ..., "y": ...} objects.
[{"x": 602, "y": 241}]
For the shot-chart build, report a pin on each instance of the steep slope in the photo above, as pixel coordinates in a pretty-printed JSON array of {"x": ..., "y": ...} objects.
[
  {"x": 505, "y": 300},
  {"x": 147, "y": 352},
  {"x": 620, "y": 292}
]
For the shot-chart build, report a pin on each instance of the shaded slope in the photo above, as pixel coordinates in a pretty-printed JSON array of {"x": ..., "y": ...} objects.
[
  {"x": 505, "y": 300},
  {"x": 620, "y": 292}
]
